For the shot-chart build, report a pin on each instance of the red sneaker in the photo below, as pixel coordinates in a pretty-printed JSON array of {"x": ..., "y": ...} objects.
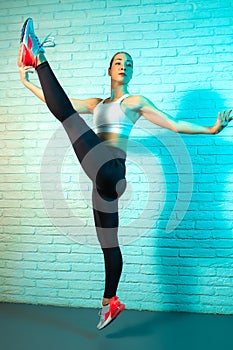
[{"x": 109, "y": 312}]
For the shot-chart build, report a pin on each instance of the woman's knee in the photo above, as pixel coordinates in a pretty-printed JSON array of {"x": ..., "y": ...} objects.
[{"x": 115, "y": 191}]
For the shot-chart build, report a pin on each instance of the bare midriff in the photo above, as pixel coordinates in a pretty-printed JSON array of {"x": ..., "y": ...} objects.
[{"x": 114, "y": 139}]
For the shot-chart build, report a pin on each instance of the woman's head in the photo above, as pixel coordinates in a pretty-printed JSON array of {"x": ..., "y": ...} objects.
[
  {"x": 118, "y": 53},
  {"x": 121, "y": 67}
]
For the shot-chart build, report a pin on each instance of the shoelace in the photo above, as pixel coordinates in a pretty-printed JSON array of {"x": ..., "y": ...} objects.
[
  {"x": 101, "y": 311},
  {"x": 49, "y": 41}
]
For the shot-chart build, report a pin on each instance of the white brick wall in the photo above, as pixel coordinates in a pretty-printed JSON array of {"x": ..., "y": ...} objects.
[{"x": 182, "y": 53}]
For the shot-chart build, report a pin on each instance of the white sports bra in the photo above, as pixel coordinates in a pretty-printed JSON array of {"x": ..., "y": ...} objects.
[{"x": 109, "y": 117}]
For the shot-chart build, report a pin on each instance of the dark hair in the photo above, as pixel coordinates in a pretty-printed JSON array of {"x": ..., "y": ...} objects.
[{"x": 111, "y": 62}]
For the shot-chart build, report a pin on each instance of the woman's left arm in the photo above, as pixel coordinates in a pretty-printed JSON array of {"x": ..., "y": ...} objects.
[{"x": 147, "y": 109}]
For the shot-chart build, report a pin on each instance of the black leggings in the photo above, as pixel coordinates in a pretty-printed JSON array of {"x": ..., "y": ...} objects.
[{"x": 104, "y": 165}]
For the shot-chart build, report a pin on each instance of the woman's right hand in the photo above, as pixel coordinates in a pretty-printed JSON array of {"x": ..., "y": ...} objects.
[{"x": 24, "y": 74}]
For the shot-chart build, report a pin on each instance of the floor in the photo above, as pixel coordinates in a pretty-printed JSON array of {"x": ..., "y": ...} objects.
[{"x": 27, "y": 327}]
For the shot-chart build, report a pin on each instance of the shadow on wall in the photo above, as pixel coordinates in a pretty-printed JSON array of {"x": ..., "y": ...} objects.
[{"x": 194, "y": 257}]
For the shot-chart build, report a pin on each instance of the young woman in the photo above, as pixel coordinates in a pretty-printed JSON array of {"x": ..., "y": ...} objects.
[{"x": 102, "y": 153}]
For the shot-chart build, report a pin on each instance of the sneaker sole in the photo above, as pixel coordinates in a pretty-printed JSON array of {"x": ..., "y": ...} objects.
[
  {"x": 23, "y": 30},
  {"x": 25, "y": 34}
]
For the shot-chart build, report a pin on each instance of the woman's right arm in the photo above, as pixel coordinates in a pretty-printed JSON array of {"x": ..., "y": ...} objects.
[{"x": 81, "y": 106}]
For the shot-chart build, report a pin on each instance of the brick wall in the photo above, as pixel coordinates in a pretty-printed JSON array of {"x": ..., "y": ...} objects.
[{"x": 176, "y": 215}]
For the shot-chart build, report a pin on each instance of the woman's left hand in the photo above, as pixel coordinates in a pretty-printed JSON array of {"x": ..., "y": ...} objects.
[{"x": 222, "y": 121}]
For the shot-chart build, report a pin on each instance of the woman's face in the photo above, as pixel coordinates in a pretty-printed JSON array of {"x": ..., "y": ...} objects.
[{"x": 121, "y": 69}]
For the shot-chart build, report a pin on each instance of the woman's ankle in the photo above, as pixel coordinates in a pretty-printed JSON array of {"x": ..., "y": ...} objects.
[
  {"x": 41, "y": 59},
  {"x": 105, "y": 301}
]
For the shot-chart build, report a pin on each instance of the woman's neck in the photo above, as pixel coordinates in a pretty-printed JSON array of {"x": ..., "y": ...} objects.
[{"x": 117, "y": 92}]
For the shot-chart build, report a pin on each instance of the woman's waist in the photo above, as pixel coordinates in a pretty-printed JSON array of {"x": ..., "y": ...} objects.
[{"x": 117, "y": 143}]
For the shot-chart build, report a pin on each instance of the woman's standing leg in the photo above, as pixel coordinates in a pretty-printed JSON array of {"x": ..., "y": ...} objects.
[{"x": 106, "y": 224}]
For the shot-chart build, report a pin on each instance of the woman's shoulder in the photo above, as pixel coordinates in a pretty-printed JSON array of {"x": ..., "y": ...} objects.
[{"x": 134, "y": 102}]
